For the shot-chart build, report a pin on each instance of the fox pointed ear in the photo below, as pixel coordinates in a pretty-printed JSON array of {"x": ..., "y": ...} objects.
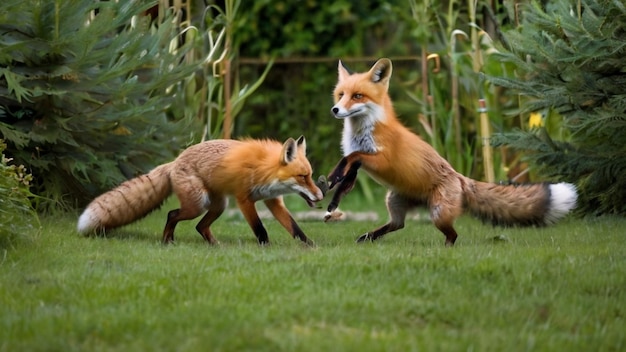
[
  {"x": 289, "y": 151},
  {"x": 343, "y": 71},
  {"x": 381, "y": 71},
  {"x": 301, "y": 142}
]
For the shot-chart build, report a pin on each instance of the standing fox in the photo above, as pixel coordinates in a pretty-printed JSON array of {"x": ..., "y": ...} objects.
[
  {"x": 202, "y": 177},
  {"x": 413, "y": 172}
]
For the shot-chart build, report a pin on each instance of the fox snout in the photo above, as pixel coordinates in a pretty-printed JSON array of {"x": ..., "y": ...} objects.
[
  {"x": 317, "y": 194},
  {"x": 339, "y": 112},
  {"x": 312, "y": 198},
  {"x": 313, "y": 193}
]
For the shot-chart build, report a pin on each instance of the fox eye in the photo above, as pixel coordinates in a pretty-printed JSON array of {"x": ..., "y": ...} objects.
[
  {"x": 340, "y": 95},
  {"x": 357, "y": 96}
]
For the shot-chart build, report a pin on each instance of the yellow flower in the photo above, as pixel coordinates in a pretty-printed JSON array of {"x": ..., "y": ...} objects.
[{"x": 535, "y": 120}]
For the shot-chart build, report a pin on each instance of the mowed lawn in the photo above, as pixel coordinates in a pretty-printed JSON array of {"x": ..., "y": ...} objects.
[{"x": 560, "y": 288}]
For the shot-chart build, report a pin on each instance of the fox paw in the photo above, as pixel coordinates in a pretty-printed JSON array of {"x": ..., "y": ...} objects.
[
  {"x": 334, "y": 215},
  {"x": 365, "y": 237}
]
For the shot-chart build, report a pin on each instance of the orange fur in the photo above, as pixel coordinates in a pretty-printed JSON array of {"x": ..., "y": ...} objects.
[
  {"x": 202, "y": 177},
  {"x": 415, "y": 174}
]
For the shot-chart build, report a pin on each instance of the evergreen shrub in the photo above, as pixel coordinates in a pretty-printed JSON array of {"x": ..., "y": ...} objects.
[
  {"x": 85, "y": 89},
  {"x": 569, "y": 59}
]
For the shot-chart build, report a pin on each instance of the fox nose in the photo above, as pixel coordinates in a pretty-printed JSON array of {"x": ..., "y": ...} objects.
[
  {"x": 319, "y": 195},
  {"x": 316, "y": 194},
  {"x": 334, "y": 110}
]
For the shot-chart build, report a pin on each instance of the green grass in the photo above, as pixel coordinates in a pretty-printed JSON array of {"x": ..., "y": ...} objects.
[{"x": 536, "y": 289}]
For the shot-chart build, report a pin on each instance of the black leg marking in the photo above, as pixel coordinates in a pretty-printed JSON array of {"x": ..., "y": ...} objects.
[
  {"x": 297, "y": 231},
  {"x": 337, "y": 174},
  {"x": 345, "y": 186},
  {"x": 260, "y": 232},
  {"x": 450, "y": 234},
  {"x": 168, "y": 231}
]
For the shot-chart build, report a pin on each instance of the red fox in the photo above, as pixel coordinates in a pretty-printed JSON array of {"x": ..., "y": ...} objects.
[
  {"x": 202, "y": 177},
  {"x": 415, "y": 174}
]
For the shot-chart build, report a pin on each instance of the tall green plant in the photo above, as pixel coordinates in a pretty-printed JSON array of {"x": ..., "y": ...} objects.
[
  {"x": 448, "y": 96},
  {"x": 569, "y": 63},
  {"x": 85, "y": 87},
  {"x": 222, "y": 95}
]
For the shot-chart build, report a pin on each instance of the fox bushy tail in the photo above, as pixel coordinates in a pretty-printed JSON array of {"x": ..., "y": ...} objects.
[
  {"x": 521, "y": 205},
  {"x": 128, "y": 202}
]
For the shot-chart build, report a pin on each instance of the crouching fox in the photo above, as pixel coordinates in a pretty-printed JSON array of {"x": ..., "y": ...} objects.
[{"x": 202, "y": 177}]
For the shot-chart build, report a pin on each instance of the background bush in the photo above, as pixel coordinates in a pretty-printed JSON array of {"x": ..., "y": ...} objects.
[
  {"x": 570, "y": 68},
  {"x": 84, "y": 92}
]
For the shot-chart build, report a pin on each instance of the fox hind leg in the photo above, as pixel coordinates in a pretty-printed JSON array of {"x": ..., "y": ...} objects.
[
  {"x": 449, "y": 232},
  {"x": 173, "y": 217},
  {"x": 445, "y": 207},
  {"x": 192, "y": 204},
  {"x": 397, "y": 207},
  {"x": 216, "y": 208}
]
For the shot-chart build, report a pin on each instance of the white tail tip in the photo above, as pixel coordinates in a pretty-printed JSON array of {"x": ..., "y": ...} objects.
[
  {"x": 87, "y": 222},
  {"x": 563, "y": 197}
]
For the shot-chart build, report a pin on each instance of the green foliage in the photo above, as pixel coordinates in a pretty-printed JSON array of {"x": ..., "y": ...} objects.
[
  {"x": 85, "y": 88},
  {"x": 569, "y": 63},
  {"x": 17, "y": 217},
  {"x": 317, "y": 28}
]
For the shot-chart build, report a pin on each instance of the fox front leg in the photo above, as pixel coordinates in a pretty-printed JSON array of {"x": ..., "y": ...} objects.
[
  {"x": 338, "y": 173},
  {"x": 346, "y": 183}
]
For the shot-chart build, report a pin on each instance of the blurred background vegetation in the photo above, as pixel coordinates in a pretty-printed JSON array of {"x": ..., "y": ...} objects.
[{"x": 92, "y": 93}]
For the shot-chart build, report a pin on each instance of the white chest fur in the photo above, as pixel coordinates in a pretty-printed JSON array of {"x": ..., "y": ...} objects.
[{"x": 358, "y": 132}]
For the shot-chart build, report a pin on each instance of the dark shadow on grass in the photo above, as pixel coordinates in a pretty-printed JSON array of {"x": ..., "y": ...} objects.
[
  {"x": 188, "y": 239},
  {"x": 130, "y": 235}
]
